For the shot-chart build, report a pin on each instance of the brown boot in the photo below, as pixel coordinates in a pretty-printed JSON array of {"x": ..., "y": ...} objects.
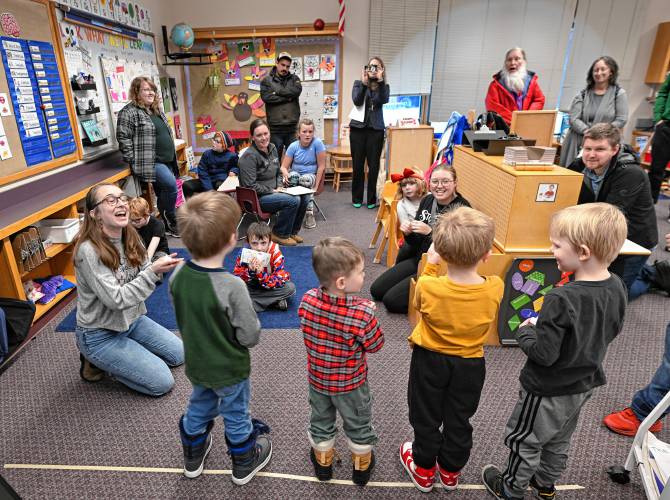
[
  {"x": 364, "y": 464},
  {"x": 288, "y": 241},
  {"x": 88, "y": 371},
  {"x": 298, "y": 239},
  {"x": 323, "y": 463}
]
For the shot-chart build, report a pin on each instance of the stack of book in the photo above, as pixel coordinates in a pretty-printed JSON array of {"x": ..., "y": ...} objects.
[{"x": 529, "y": 155}]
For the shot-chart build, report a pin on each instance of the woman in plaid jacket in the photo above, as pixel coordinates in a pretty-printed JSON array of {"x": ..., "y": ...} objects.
[{"x": 147, "y": 145}]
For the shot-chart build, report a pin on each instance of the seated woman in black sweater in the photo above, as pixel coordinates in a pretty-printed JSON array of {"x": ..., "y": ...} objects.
[{"x": 392, "y": 287}]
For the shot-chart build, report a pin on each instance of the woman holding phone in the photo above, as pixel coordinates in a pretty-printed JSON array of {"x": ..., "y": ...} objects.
[{"x": 366, "y": 131}]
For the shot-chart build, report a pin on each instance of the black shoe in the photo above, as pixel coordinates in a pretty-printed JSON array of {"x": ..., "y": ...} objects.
[
  {"x": 493, "y": 480},
  {"x": 88, "y": 371},
  {"x": 170, "y": 224},
  {"x": 249, "y": 457},
  {"x": 322, "y": 472},
  {"x": 542, "y": 492},
  {"x": 661, "y": 279},
  {"x": 361, "y": 477},
  {"x": 196, "y": 449}
]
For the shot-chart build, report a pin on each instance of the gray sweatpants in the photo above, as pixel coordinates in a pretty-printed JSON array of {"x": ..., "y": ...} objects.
[
  {"x": 263, "y": 298},
  {"x": 538, "y": 435}
]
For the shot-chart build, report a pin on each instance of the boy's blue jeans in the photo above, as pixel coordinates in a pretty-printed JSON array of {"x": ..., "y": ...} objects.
[
  {"x": 647, "y": 398},
  {"x": 231, "y": 402}
]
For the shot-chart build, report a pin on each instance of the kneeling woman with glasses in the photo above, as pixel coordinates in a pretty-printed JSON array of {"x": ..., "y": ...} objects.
[
  {"x": 392, "y": 287},
  {"x": 114, "y": 278}
]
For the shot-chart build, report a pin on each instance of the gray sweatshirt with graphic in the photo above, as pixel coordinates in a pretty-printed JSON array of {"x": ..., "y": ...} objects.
[{"x": 106, "y": 298}]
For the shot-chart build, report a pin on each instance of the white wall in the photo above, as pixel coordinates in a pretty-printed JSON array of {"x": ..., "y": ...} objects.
[
  {"x": 658, "y": 11},
  {"x": 215, "y": 13}
]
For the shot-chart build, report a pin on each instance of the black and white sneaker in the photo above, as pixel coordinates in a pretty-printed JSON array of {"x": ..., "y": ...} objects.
[{"x": 171, "y": 228}]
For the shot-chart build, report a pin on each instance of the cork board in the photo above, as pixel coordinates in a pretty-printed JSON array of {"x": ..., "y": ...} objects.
[
  {"x": 33, "y": 18},
  {"x": 207, "y": 107}
]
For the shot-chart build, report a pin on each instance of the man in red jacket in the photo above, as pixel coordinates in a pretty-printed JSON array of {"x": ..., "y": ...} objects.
[{"x": 514, "y": 87}]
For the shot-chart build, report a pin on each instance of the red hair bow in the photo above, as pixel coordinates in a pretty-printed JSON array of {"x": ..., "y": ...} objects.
[{"x": 408, "y": 173}]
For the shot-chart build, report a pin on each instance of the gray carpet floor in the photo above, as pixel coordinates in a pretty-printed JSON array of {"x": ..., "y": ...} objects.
[{"x": 49, "y": 416}]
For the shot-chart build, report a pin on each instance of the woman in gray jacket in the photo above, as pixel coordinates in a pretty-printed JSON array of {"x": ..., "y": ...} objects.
[
  {"x": 602, "y": 101},
  {"x": 260, "y": 171},
  {"x": 114, "y": 278}
]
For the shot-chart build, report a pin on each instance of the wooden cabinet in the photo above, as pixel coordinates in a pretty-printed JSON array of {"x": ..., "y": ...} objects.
[
  {"x": 659, "y": 62},
  {"x": 409, "y": 147}
]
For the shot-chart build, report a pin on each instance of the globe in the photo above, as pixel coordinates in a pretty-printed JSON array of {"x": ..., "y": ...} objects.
[{"x": 182, "y": 36}]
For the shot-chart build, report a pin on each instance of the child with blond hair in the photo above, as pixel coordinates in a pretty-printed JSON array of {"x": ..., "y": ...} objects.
[
  {"x": 565, "y": 346},
  {"x": 447, "y": 370}
]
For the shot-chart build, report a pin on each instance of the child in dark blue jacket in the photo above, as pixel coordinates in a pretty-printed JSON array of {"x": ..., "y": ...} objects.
[{"x": 215, "y": 166}]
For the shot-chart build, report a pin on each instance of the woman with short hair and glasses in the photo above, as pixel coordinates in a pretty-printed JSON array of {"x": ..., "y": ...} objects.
[
  {"x": 392, "y": 287},
  {"x": 114, "y": 278},
  {"x": 146, "y": 143}
]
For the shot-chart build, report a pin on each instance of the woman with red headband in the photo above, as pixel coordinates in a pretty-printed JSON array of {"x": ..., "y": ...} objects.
[{"x": 392, "y": 287}]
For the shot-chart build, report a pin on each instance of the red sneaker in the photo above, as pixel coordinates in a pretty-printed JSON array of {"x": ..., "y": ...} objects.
[
  {"x": 422, "y": 478},
  {"x": 448, "y": 479},
  {"x": 626, "y": 423}
]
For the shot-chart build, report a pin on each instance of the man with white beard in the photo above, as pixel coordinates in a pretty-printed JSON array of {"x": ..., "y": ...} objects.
[{"x": 514, "y": 87}]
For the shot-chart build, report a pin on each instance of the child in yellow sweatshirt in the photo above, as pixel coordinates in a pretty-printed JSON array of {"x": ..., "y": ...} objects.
[{"x": 447, "y": 368}]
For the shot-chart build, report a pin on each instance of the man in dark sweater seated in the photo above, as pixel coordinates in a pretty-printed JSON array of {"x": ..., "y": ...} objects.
[
  {"x": 565, "y": 349},
  {"x": 216, "y": 165},
  {"x": 612, "y": 174}
]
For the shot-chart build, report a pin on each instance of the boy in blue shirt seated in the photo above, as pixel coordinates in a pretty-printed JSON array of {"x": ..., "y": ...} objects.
[{"x": 216, "y": 165}]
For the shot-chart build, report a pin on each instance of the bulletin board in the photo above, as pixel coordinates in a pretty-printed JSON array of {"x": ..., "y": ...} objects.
[
  {"x": 232, "y": 107},
  {"x": 112, "y": 60},
  {"x": 32, "y": 22}
]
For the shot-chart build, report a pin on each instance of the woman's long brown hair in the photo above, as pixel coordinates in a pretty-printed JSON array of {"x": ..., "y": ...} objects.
[
  {"x": 91, "y": 231},
  {"x": 134, "y": 94}
]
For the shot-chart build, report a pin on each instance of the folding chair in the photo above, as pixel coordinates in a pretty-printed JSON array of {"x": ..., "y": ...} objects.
[
  {"x": 319, "y": 190},
  {"x": 249, "y": 203}
]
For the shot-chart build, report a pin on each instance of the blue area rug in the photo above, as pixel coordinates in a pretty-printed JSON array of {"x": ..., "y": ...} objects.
[{"x": 298, "y": 263}]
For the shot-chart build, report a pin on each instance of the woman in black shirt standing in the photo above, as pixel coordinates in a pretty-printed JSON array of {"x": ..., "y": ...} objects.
[{"x": 367, "y": 136}]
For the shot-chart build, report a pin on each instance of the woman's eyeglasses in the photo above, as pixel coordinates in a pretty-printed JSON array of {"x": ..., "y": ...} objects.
[
  {"x": 113, "y": 201},
  {"x": 441, "y": 182}
]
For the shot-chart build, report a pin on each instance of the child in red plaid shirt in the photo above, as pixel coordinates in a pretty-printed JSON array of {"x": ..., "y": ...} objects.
[
  {"x": 268, "y": 286},
  {"x": 339, "y": 328}
]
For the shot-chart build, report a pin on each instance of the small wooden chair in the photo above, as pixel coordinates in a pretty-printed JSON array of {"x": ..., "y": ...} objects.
[
  {"x": 387, "y": 221},
  {"x": 341, "y": 165}
]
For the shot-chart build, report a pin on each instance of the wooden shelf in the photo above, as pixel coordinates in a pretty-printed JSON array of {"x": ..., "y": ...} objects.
[
  {"x": 51, "y": 251},
  {"x": 42, "y": 309}
]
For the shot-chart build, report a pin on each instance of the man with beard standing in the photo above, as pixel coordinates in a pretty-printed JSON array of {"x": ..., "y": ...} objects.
[
  {"x": 514, "y": 87},
  {"x": 280, "y": 91}
]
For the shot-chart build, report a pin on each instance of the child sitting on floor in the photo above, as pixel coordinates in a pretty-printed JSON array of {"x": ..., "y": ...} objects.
[
  {"x": 269, "y": 285},
  {"x": 339, "y": 330},
  {"x": 216, "y": 165},
  {"x": 151, "y": 230},
  {"x": 411, "y": 189},
  {"x": 565, "y": 348},
  {"x": 446, "y": 374}
]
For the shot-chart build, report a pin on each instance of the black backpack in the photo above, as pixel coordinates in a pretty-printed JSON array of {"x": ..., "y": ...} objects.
[{"x": 19, "y": 316}]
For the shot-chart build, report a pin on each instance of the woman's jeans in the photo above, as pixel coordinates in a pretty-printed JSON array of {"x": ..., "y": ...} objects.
[
  {"x": 231, "y": 402},
  {"x": 291, "y": 211},
  {"x": 136, "y": 357},
  {"x": 165, "y": 187},
  {"x": 646, "y": 399}
]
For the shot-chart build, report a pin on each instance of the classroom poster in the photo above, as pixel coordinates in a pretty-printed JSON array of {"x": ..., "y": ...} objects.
[
  {"x": 311, "y": 67},
  {"x": 311, "y": 105},
  {"x": 296, "y": 67},
  {"x": 327, "y": 67},
  {"x": 330, "y": 107},
  {"x": 5, "y": 152},
  {"x": 165, "y": 94},
  {"x": 173, "y": 93}
]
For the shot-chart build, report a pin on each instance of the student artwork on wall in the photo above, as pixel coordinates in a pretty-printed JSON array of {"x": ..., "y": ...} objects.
[
  {"x": 245, "y": 51},
  {"x": 231, "y": 73},
  {"x": 266, "y": 52},
  {"x": 296, "y": 67},
  {"x": 330, "y": 107},
  {"x": 5, "y": 151},
  {"x": 311, "y": 105},
  {"x": 526, "y": 284},
  {"x": 254, "y": 78},
  {"x": 205, "y": 126},
  {"x": 5, "y": 110},
  {"x": 311, "y": 67},
  {"x": 327, "y": 67},
  {"x": 244, "y": 105}
]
